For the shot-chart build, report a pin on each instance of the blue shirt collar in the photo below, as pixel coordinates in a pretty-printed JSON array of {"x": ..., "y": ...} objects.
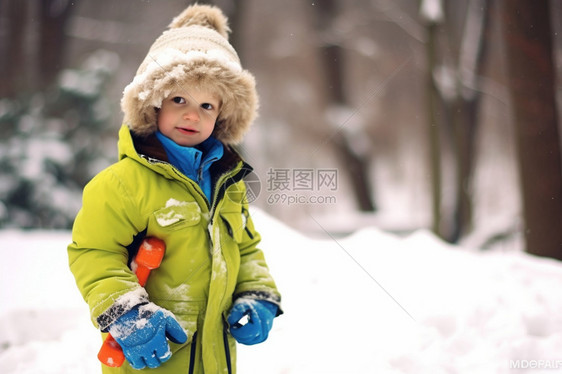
[{"x": 193, "y": 162}]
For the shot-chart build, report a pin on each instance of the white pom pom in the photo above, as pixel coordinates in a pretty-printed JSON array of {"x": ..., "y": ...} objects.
[{"x": 203, "y": 15}]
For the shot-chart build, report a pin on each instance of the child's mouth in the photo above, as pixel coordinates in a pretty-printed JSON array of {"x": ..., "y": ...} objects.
[{"x": 187, "y": 131}]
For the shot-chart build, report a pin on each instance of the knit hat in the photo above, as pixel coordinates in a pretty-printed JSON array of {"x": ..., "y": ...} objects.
[{"x": 193, "y": 52}]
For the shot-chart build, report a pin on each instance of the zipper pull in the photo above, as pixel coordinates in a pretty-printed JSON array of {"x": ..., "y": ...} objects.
[{"x": 200, "y": 175}]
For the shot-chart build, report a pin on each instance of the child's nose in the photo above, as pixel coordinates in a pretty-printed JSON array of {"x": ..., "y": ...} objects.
[{"x": 191, "y": 115}]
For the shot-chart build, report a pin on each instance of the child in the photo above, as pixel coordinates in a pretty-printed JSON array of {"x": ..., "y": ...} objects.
[{"x": 178, "y": 180}]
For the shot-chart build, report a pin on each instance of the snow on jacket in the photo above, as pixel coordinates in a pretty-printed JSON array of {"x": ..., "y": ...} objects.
[{"x": 211, "y": 250}]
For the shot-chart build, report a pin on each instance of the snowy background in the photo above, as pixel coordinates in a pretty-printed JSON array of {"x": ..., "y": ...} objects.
[
  {"x": 370, "y": 302},
  {"x": 379, "y": 293}
]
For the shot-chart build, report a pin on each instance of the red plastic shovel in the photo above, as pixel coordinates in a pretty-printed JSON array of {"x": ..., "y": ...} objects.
[{"x": 149, "y": 257}]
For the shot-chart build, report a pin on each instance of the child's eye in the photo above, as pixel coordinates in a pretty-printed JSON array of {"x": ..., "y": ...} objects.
[
  {"x": 179, "y": 100},
  {"x": 207, "y": 106}
]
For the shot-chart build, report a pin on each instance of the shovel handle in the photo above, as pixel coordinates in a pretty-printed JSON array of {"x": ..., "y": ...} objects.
[{"x": 149, "y": 257}]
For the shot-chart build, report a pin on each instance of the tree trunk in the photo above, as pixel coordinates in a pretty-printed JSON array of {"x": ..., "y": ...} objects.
[
  {"x": 13, "y": 70},
  {"x": 332, "y": 54},
  {"x": 527, "y": 34},
  {"x": 433, "y": 130},
  {"x": 54, "y": 15},
  {"x": 471, "y": 65}
]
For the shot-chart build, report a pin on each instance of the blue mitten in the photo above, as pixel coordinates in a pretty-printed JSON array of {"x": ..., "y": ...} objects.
[
  {"x": 142, "y": 333},
  {"x": 260, "y": 319}
]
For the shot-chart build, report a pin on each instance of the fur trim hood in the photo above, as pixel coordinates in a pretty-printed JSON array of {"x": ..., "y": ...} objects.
[{"x": 193, "y": 52}]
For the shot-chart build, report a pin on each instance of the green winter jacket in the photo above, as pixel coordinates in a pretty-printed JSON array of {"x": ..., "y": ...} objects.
[{"x": 211, "y": 250}]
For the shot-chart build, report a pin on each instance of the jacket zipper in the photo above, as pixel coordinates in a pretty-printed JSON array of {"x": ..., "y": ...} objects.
[
  {"x": 202, "y": 167},
  {"x": 226, "y": 347},
  {"x": 220, "y": 190},
  {"x": 192, "y": 354},
  {"x": 231, "y": 179}
]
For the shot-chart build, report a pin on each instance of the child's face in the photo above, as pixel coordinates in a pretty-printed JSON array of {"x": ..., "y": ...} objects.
[{"x": 188, "y": 116}]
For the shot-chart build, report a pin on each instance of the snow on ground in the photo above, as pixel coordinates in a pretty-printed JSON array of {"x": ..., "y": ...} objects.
[{"x": 367, "y": 303}]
